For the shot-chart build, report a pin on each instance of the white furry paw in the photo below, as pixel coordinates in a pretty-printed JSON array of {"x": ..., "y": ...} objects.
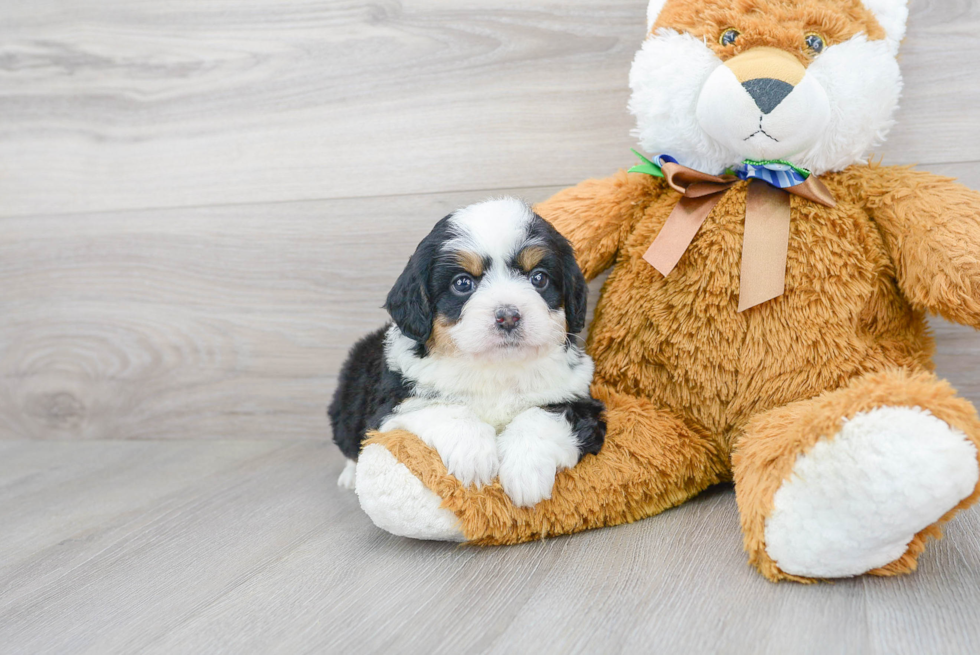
[
  {"x": 467, "y": 445},
  {"x": 348, "y": 475},
  {"x": 398, "y": 502},
  {"x": 853, "y": 503},
  {"x": 533, "y": 449}
]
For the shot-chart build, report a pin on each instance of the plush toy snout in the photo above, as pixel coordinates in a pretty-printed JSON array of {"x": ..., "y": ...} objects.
[
  {"x": 763, "y": 105},
  {"x": 767, "y": 74}
]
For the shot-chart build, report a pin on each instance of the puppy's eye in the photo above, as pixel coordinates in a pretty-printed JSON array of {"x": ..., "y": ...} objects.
[
  {"x": 539, "y": 280},
  {"x": 814, "y": 43},
  {"x": 729, "y": 37},
  {"x": 463, "y": 285}
]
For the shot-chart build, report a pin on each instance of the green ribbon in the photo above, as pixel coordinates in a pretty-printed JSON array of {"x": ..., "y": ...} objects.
[
  {"x": 802, "y": 171},
  {"x": 648, "y": 167}
]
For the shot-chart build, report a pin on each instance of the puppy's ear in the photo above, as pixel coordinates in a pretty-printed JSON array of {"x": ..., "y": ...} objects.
[
  {"x": 409, "y": 302},
  {"x": 574, "y": 287}
]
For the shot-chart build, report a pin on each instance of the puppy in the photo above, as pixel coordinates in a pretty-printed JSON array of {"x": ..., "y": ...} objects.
[{"x": 481, "y": 361}]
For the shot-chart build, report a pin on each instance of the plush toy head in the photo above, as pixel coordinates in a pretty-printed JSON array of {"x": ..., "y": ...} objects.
[{"x": 813, "y": 82}]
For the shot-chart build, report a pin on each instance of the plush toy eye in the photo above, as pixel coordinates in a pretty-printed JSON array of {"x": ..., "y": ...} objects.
[
  {"x": 463, "y": 285},
  {"x": 539, "y": 280},
  {"x": 729, "y": 36},
  {"x": 815, "y": 43}
]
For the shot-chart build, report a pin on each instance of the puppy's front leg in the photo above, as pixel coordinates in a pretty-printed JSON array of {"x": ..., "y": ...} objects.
[
  {"x": 466, "y": 444},
  {"x": 533, "y": 448}
]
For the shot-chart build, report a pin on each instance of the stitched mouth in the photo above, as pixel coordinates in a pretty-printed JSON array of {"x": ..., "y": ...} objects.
[{"x": 762, "y": 132}]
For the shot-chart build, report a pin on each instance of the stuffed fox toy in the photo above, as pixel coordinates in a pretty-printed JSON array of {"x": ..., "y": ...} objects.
[{"x": 765, "y": 318}]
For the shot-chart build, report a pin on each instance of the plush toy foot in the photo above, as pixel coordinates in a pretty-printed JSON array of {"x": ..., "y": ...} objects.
[
  {"x": 859, "y": 499},
  {"x": 651, "y": 461},
  {"x": 854, "y": 503},
  {"x": 398, "y": 502}
]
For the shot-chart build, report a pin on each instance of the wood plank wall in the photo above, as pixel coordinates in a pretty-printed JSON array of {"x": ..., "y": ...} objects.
[{"x": 202, "y": 204}]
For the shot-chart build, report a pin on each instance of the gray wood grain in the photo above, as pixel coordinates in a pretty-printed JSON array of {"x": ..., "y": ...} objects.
[
  {"x": 184, "y": 103},
  {"x": 202, "y": 205},
  {"x": 223, "y": 546},
  {"x": 224, "y": 322}
]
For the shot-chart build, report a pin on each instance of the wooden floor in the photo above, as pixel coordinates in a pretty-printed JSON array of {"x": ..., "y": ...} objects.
[{"x": 202, "y": 205}]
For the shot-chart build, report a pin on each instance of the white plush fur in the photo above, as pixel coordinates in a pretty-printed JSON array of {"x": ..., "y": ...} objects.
[
  {"x": 891, "y": 14},
  {"x": 854, "y": 502},
  {"x": 533, "y": 448},
  {"x": 348, "y": 476},
  {"x": 729, "y": 115},
  {"x": 398, "y": 502},
  {"x": 466, "y": 444},
  {"x": 667, "y": 76},
  {"x": 864, "y": 84},
  {"x": 653, "y": 11},
  {"x": 688, "y": 105}
]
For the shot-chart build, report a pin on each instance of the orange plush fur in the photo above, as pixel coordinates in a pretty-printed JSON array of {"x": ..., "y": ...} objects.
[{"x": 698, "y": 393}]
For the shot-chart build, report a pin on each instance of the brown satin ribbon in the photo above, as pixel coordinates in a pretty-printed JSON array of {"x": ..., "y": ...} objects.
[{"x": 767, "y": 220}]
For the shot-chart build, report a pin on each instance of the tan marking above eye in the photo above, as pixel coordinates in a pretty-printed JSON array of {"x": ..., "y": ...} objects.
[
  {"x": 530, "y": 257},
  {"x": 471, "y": 262}
]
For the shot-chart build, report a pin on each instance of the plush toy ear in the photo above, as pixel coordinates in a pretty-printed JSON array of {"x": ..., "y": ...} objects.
[
  {"x": 409, "y": 301},
  {"x": 653, "y": 11},
  {"x": 893, "y": 15}
]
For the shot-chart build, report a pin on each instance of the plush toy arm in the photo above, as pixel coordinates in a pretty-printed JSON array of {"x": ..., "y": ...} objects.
[
  {"x": 931, "y": 227},
  {"x": 596, "y": 215}
]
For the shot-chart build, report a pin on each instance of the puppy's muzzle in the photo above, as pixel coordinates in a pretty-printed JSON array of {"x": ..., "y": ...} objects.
[
  {"x": 769, "y": 75},
  {"x": 507, "y": 318}
]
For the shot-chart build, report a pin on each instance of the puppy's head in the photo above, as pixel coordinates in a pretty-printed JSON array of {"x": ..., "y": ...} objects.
[{"x": 492, "y": 281}]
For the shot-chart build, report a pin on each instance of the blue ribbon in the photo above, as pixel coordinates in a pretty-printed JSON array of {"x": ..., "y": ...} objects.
[{"x": 778, "y": 173}]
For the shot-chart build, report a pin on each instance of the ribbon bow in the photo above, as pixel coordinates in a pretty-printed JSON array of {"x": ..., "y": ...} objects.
[{"x": 767, "y": 218}]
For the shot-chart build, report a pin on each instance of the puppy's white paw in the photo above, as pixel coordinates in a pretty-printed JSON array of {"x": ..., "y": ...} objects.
[
  {"x": 471, "y": 456},
  {"x": 533, "y": 449},
  {"x": 466, "y": 444},
  {"x": 348, "y": 475}
]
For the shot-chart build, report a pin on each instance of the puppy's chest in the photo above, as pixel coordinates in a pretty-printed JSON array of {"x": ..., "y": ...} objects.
[{"x": 497, "y": 394}]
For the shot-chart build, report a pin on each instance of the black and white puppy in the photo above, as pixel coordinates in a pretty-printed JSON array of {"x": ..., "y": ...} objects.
[{"x": 480, "y": 363}]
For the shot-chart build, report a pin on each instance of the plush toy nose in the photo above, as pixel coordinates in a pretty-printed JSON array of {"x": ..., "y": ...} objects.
[
  {"x": 507, "y": 318},
  {"x": 767, "y": 92},
  {"x": 767, "y": 74}
]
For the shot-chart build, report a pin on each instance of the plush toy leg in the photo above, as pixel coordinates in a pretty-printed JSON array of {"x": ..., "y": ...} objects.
[
  {"x": 651, "y": 461},
  {"x": 853, "y": 481}
]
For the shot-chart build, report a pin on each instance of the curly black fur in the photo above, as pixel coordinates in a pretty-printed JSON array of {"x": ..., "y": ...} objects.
[{"x": 367, "y": 392}]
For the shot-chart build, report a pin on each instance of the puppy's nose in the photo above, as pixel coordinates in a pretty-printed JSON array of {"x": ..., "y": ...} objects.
[{"x": 507, "y": 318}]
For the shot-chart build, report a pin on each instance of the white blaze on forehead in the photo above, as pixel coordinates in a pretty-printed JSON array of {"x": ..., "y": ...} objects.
[{"x": 495, "y": 228}]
